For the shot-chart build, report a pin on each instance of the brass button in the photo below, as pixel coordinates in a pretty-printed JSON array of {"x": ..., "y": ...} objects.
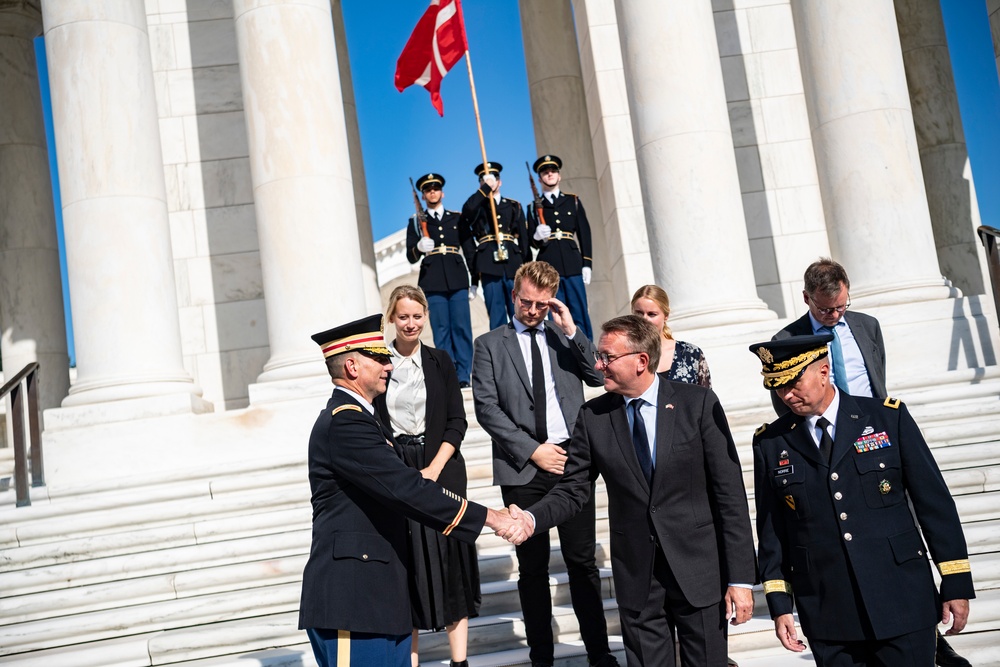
[
  {"x": 843, "y": 516},
  {"x": 838, "y": 495},
  {"x": 848, "y": 537},
  {"x": 835, "y": 477}
]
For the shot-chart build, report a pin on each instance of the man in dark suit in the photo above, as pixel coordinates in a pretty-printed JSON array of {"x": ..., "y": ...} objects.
[
  {"x": 559, "y": 230},
  {"x": 527, "y": 383},
  {"x": 681, "y": 545},
  {"x": 480, "y": 245},
  {"x": 362, "y": 492},
  {"x": 835, "y": 480},
  {"x": 444, "y": 277},
  {"x": 857, "y": 349}
]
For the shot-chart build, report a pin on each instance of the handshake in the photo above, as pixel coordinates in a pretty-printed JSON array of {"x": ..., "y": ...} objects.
[{"x": 511, "y": 523}]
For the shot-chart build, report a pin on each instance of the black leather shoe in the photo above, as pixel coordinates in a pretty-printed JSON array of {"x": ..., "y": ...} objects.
[
  {"x": 464, "y": 663},
  {"x": 945, "y": 655},
  {"x": 464, "y": 385},
  {"x": 607, "y": 661},
  {"x": 731, "y": 663}
]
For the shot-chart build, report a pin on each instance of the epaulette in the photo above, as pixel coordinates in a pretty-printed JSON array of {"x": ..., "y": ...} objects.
[
  {"x": 512, "y": 200},
  {"x": 891, "y": 402},
  {"x": 763, "y": 427},
  {"x": 348, "y": 406}
]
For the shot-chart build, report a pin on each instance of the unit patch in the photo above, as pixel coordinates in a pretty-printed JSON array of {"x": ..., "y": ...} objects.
[
  {"x": 790, "y": 501},
  {"x": 868, "y": 443}
]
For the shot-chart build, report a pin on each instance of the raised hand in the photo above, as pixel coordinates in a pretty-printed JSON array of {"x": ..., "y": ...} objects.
[{"x": 561, "y": 317}]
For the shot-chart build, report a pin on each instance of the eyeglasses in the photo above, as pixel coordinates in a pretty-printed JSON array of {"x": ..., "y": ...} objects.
[
  {"x": 537, "y": 305},
  {"x": 830, "y": 311},
  {"x": 605, "y": 359}
]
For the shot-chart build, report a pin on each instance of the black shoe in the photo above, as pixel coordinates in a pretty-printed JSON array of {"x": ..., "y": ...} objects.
[
  {"x": 464, "y": 385},
  {"x": 607, "y": 661},
  {"x": 541, "y": 664},
  {"x": 464, "y": 663},
  {"x": 945, "y": 655},
  {"x": 731, "y": 663}
]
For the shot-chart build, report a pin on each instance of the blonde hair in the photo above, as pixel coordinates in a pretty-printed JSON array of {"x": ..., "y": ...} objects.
[
  {"x": 540, "y": 274},
  {"x": 658, "y": 296},
  {"x": 411, "y": 292}
]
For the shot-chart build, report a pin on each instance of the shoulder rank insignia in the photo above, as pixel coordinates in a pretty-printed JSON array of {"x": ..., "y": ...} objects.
[
  {"x": 891, "y": 402},
  {"x": 761, "y": 429},
  {"x": 348, "y": 406}
]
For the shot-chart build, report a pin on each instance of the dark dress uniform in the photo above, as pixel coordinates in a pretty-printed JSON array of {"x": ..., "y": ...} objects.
[
  {"x": 568, "y": 249},
  {"x": 839, "y": 538},
  {"x": 355, "y": 582},
  {"x": 479, "y": 244},
  {"x": 444, "y": 278}
]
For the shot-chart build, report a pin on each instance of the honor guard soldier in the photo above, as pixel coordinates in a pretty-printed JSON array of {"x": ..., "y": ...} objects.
[
  {"x": 559, "y": 230},
  {"x": 493, "y": 261},
  {"x": 355, "y": 603},
  {"x": 835, "y": 479},
  {"x": 444, "y": 277}
]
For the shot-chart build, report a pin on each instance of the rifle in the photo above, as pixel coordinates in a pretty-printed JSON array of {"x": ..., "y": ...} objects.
[
  {"x": 421, "y": 214},
  {"x": 534, "y": 193}
]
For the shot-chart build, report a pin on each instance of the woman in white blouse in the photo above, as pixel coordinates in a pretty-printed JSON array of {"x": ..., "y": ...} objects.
[{"x": 423, "y": 407}]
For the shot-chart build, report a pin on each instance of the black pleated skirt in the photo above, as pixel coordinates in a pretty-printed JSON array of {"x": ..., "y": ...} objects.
[{"x": 444, "y": 579}]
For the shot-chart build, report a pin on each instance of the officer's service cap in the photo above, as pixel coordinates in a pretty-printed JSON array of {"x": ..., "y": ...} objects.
[
  {"x": 494, "y": 168},
  {"x": 547, "y": 161},
  {"x": 430, "y": 179},
  {"x": 364, "y": 335},
  {"x": 783, "y": 361}
]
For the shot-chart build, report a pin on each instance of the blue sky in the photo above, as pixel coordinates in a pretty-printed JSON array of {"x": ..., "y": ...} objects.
[{"x": 402, "y": 136}]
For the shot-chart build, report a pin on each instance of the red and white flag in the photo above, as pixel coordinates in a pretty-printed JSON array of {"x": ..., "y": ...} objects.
[{"x": 437, "y": 43}]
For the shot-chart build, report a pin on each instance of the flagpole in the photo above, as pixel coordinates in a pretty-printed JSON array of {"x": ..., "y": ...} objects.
[{"x": 501, "y": 252}]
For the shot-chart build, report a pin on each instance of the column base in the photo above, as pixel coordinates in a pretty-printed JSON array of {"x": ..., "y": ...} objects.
[
  {"x": 903, "y": 293},
  {"x": 130, "y": 409},
  {"x": 292, "y": 389},
  {"x": 293, "y": 368}
]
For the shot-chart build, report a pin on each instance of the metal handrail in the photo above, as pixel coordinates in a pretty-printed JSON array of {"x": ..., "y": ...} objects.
[
  {"x": 25, "y": 382},
  {"x": 990, "y": 237}
]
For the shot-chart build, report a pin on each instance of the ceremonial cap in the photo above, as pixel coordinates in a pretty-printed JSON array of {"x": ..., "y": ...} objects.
[
  {"x": 785, "y": 360},
  {"x": 430, "y": 179},
  {"x": 364, "y": 335},
  {"x": 547, "y": 161},
  {"x": 494, "y": 168}
]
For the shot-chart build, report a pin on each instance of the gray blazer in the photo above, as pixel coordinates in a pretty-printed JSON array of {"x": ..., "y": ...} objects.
[
  {"x": 501, "y": 388},
  {"x": 868, "y": 335}
]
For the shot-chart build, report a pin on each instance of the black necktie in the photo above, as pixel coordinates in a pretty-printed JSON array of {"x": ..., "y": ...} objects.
[
  {"x": 825, "y": 441},
  {"x": 640, "y": 441},
  {"x": 538, "y": 388}
]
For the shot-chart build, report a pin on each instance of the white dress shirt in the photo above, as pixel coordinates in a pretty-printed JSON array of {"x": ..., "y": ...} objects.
[
  {"x": 854, "y": 363},
  {"x": 648, "y": 411},
  {"x": 406, "y": 394},
  {"x": 555, "y": 422},
  {"x": 831, "y": 416}
]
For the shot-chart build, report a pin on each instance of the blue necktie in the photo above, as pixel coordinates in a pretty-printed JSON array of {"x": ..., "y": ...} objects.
[
  {"x": 837, "y": 352},
  {"x": 640, "y": 441}
]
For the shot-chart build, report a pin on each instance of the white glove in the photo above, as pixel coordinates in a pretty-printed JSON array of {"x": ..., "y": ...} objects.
[
  {"x": 491, "y": 181},
  {"x": 425, "y": 244},
  {"x": 472, "y": 294},
  {"x": 585, "y": 274},
  {"x": 542, "y": 232}
]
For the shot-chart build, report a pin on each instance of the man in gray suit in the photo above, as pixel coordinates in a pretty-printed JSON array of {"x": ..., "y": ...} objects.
[
  {"x": 857, "y": 352},
  {"x": 527, "y": 383}
]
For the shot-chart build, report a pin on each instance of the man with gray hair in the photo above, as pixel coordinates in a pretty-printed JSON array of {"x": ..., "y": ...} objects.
[{"x": 682, "y": 552}]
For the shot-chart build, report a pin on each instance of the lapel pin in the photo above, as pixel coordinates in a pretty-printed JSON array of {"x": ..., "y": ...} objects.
[{"x": 669, "y": 406}]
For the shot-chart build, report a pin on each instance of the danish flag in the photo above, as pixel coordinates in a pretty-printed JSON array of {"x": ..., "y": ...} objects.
[{"x": 437, "y": 43}]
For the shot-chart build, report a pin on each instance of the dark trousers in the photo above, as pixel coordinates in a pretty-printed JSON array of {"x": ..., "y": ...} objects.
[
  {"x": 496, "y": 293},
  {"x": 915, "y": 649},
  {"x": 577, "y": 540},
  {"x": 452, "y": 327},
  {"x": 649, "y": 633},
  {"x": 573, "y": 293}
]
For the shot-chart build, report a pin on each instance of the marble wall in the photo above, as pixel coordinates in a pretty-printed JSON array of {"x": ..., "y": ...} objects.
[{"x": 212, "y": 220}]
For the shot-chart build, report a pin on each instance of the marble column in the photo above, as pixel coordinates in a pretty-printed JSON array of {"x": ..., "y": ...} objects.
[
  {"x": 562, "y": 127},
  {"x": 32, "y": 324},
  {"x": 301, "y": 171},
  {"x": 373, "y": 299},
  {"x": 866, "y": 150},
  {"x": 684, "y": 147},
  {"x": 943, "y": 155},
  {"x": 123, "y": 296}
]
